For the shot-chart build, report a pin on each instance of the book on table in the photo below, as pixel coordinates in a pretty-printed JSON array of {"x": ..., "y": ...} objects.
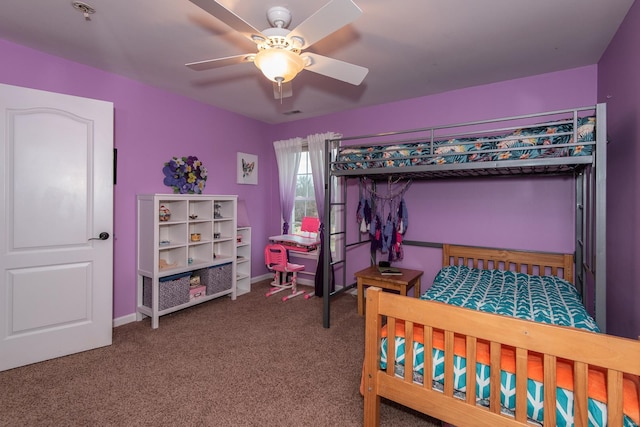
[{"x": 389, "y": 271}]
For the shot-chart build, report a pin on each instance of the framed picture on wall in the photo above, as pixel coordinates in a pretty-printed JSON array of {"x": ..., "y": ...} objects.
[{"x": 247, "y": 169}]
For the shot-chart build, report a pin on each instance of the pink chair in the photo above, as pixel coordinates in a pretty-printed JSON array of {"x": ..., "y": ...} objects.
[{"x": 275, "y": 257}]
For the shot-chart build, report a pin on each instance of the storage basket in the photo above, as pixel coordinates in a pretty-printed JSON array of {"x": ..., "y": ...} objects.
[
  {"x": 218, "y": 278},
  {"x": 172, "y": 291}
]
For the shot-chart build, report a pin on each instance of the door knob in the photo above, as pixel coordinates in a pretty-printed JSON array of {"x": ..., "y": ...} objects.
[{"x": 102, "y": 236}]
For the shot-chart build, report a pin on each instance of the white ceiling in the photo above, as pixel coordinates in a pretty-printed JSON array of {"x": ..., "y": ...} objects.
[{"x": 412, "y": 47}]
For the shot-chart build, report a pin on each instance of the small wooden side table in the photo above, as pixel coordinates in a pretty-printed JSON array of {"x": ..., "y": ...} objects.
[{"x": 371, "y": 277}]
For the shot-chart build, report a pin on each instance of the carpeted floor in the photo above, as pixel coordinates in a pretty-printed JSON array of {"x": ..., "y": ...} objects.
[{"x": 255, "y": 361}]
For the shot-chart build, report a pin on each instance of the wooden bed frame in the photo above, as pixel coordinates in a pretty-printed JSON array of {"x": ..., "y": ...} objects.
[{"x": 618, "y": 356}]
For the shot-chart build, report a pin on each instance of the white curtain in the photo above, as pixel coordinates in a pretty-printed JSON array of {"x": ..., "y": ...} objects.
[
  {"x": 316, "y": 144},
  {"x": 288, "y": 158},
  {"x": 316, "y": 158}
]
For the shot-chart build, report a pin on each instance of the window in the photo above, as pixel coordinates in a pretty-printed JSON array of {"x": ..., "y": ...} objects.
[
  {"x": 305, "y": 201},
  {"x": 305, "y": 204}
]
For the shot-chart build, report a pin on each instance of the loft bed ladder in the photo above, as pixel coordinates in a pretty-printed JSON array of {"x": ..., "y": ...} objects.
[{"x": 328, "y": 264}]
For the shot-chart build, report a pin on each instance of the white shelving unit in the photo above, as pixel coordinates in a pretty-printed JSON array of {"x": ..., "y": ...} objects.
[
  {"x": 243, "y": 260},
  {"x": 198, "y": 239}
]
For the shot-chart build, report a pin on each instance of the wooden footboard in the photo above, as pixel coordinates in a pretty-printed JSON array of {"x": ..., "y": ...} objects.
[{"x": 585, "y": 350}]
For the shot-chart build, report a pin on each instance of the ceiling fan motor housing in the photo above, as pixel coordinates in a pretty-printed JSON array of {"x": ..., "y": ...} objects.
[{"x": 276, "y": 36}]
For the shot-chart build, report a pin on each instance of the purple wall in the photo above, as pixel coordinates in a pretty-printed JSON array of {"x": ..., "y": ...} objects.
[
  {"x": 619, "y": 87},
  {"x": 564, "y": 89},
  {"x": 476, "y": 212},
  {"x": 151, "y": 126}
]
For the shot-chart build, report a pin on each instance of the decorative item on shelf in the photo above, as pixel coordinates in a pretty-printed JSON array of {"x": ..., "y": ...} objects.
[
  {"x": 163, "y": 264},
  {"x": 216, "y": 235},
  {"x": 195, "y": 237},
  {"x": 189, "y": 260},
  {"x": 217, "y": 214},
  {"x": 192, "y": 216},
  {"x": 165, "y": 213},
  {"x": 165, "y": 242},
  {"x": 194, "y": 281},
  {"x": 239, "y": 238},
  {"x": 196, "y": 292},
  {"x": 186, "y": 175}
]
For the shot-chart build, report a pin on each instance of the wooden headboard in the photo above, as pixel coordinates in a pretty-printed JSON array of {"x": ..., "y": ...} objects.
[{"x": 539, "y": 263}]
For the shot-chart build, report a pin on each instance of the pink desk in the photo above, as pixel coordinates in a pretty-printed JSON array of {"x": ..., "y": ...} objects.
[{"x": 294, "y": 242}]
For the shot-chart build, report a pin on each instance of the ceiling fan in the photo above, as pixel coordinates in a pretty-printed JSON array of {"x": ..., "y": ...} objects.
[{"x": 280, "y": 54}]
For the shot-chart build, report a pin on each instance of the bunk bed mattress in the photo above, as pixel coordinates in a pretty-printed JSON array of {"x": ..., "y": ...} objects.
[
  {"x": 524, "y": 143},
  {"x": 547, "y": 299}
]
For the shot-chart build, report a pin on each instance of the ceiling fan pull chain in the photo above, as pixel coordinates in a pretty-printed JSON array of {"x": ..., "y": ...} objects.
[{"x": 279, "y": 80}]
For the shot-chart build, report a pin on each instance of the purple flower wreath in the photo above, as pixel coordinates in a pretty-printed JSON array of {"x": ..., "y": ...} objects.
[{"x": 186, "y": 175}]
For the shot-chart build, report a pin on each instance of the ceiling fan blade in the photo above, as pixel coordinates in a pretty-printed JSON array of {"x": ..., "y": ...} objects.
[
  {"x": 231, "y": 19},
  {"x": 210, "y": 64},
  {"x": 331, "y": 17},
  {"x": 335, "y": 68},
  {"x": 284, "y": 90}
]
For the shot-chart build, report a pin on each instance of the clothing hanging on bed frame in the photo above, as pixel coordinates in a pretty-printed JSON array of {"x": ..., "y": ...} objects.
[{"x": 384, "y": 216}]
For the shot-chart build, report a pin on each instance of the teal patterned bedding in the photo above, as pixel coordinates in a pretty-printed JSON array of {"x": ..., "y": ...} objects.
[
  {"x": 545, "y": 141},
  {"x": 545, "y": 299}
]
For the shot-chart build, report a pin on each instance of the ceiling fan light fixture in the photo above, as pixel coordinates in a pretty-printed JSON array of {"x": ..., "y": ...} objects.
[{"x": 279, "y": 65}]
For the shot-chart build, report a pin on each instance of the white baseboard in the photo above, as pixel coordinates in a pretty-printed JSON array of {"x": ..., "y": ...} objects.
[
  {"x": 306, "y": 282},
  {"x": 267, "y": 276},
  {"x": 129, "y": 318},
  {"x": 261, "y": 278}
]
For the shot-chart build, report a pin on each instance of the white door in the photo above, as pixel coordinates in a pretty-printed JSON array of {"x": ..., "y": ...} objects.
[{"x": 56, "y": 164}]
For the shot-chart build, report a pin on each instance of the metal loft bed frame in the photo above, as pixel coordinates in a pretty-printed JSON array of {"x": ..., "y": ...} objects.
[{"x": 589, "y": 171}]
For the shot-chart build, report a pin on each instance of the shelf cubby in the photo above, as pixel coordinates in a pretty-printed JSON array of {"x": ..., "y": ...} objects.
[{"x": 166, "y": 248}]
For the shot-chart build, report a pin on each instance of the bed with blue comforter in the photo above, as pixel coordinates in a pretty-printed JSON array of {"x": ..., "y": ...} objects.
[{"x": 546, "y": 299}]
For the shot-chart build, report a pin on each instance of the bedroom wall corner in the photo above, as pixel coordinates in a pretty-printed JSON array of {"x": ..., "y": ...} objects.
[
  {"x": 151, "y": 126},
  {"x": 481, "y": 214},
  {"x": 619, "y": 87}
]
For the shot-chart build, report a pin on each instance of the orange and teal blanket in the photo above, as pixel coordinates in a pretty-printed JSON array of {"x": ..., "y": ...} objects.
[{"x": 545, "y": 299}]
